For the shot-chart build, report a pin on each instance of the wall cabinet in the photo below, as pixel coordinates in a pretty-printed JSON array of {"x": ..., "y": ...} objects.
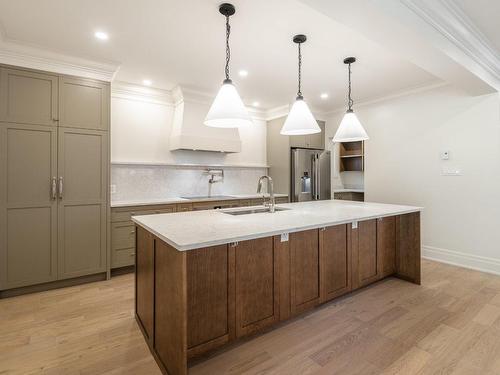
[
  {"x": 316, "y": 140},
  {"x": 28, "y": 97},
  {"x": 53, "y": 185}
]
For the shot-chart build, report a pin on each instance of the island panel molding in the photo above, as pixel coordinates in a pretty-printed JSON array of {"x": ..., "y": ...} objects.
[{"x": 208, "y": 298}]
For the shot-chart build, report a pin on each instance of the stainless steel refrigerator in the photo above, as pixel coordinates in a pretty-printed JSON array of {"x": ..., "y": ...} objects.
[{"x": 310, "y": 173}]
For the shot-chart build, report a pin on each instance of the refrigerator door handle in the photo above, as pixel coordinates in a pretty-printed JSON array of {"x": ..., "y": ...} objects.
[
  {"x": 314, "y": 177},
  {"x": 318, "y": 178}
]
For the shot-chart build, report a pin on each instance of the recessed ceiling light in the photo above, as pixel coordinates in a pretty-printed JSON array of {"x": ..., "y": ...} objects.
[
  {"x": 256, "y": 104},
  {"x": 147, "y": 82},
  {"x": 101, "y": 35},
  {"x": 243, "y": 73},
  {"x": 324, "y": 95}
]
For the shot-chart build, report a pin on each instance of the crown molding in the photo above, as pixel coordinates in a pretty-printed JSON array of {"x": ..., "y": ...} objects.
[
  {"x": 130, "y": 91},
  {"x": 19, "y": 54},
  {"x": 398, "y": 94},
  {"x": 446, "y": 17}
]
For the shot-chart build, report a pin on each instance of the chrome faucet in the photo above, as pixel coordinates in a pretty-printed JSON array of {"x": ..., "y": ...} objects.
[{"x": 270, "y": 189}]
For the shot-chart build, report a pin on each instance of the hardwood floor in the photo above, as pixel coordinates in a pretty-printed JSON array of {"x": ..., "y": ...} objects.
[{"x": 449, "y": 325}]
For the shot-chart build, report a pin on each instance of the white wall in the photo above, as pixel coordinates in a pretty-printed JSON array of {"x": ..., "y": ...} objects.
[
  {"x": 140, "y": 131},
  {"x": 141, "y": 122},
  {"x": 461, "y": 219}
]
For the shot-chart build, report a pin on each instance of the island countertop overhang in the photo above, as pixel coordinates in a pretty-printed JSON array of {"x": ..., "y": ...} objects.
[{"x": 198, "y": 229}]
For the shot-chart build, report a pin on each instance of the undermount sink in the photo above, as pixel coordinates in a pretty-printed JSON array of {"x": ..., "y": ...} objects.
[{"x": 248, "y": 211}]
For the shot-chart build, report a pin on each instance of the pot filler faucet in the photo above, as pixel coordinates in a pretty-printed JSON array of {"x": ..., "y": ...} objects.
[{"x": 270, "y": 189}]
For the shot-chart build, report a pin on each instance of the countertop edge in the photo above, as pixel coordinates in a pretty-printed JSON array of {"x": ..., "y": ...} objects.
[{"x": 266, "y": 234}]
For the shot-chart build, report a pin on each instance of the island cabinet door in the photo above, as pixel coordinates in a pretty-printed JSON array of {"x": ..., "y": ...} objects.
[
  {"x": 304, "y": 271},
  {"x": 408, "y": 247},
  {"x": 144, "y": 280},
  {"x": 210, "y": 298},
  {"x": 256, "y": 276},
  {"x": 365, "y": 255},
  {"x": 386, "y": 246},
  {"x": 335, "y": 261}
]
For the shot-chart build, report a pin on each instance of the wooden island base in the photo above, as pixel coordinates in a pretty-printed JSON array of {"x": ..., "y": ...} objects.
[{"x": 190, "y": 303}]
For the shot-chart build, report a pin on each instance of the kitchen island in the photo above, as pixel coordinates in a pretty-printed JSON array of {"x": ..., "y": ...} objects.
[{"x": 206, "y": 279}]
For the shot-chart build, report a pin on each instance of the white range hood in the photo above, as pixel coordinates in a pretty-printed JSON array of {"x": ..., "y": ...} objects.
[{"x": 188, "y": 130}]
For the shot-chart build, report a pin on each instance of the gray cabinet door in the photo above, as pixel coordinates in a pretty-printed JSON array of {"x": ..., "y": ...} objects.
[
  {"x": 83, "y": 103},
  {"x": 28, "y": 208},
  {"x": 82, "y": 168},
  {"x": 27, "y": 97}
]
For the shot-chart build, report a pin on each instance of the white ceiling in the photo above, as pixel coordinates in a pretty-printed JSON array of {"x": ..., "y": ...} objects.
[{"x": 182, "y": 42}]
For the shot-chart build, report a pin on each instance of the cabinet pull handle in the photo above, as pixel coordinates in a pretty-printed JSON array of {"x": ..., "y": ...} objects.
[
  {"x": 61, "y": 187},
  {"x": 132, "y": 231},
  {"x": 132, "y": 255},
  {"x": 53, "y": 188}
]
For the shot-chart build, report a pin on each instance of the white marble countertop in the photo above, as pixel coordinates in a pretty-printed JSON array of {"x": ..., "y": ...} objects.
[
  {"x": 196, "y": 229},
  {"x": 150, "y": 202}
]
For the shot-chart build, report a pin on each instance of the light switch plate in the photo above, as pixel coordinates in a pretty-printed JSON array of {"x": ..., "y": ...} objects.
[{"x": 284, "y": 237}]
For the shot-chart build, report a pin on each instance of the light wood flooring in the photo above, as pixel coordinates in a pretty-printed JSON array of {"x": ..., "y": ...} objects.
[{"x": 449, "y": 325}]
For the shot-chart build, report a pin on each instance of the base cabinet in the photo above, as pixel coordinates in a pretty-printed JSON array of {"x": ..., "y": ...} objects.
[
  {"x": 335, "y": 261},
  {"x": 304, "y": 270},
  {"x": 190, "y": 303}
]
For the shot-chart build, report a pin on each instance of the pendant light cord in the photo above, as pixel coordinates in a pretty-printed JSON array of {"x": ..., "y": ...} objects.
[
  {"x": 299, "y": 92},
  {"x": 228, "y": 50},
  {"x": 350, "y": 101}
]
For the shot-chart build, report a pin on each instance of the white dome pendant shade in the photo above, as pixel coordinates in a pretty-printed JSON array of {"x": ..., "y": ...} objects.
[
  {"x": 350, "y": 129},
  {"x": 300, "y": 120},
  {"x": 227, "y": 110}
]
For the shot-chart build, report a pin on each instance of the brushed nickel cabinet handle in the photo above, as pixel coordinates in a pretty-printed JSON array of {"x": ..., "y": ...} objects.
[
  {"x": 60, "y": 187},
  {"x": 53, "y": 188}
]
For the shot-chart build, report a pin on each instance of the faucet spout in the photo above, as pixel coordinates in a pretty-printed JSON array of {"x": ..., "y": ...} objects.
[{"x": 270, "y": 189}]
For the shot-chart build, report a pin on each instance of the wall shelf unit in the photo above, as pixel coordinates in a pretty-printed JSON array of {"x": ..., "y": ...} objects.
[{"x": 351, "y": 156}]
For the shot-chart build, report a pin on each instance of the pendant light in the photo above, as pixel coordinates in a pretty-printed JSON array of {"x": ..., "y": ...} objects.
[
  {"x": 350, "y": 129},
  {"x": 300, "y": 120},
  {"x": 227, "y": 110}
]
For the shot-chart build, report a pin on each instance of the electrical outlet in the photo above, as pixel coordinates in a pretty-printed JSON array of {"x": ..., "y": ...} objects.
[
  {"x": 284, "y": 237},
  {"x": 354, "y": 225},
  {"x": 451, "y": 172},
  {"x": 113, "y": 189}
]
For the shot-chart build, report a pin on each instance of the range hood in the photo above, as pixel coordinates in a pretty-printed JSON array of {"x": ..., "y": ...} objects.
[{"x": 188, "y": 131}]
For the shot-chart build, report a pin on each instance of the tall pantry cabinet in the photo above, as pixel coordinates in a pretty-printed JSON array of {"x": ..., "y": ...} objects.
[{"x": 54, "y": 160}]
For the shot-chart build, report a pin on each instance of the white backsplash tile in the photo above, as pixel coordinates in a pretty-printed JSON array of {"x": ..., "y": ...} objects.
[{"x": 145, "y": 182}]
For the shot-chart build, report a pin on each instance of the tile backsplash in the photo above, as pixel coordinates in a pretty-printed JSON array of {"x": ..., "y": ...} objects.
[{"x": 150, "y": 182}]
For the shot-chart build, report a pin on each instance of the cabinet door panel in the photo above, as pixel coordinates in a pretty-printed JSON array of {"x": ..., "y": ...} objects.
[
  {"x": 408, "y": 247},
  {"x": 144, "y": 273},
  {"x": 386, "y": 245},
  {"x": 82, "y": 161},
  {"x": 83, "y": 103},
  {"x": 367, "y": 252},
  {"x": 28, "y": 213},
  {"x": 335, "y": 262},
  {"x": 28, "y": 97},
  {"x": 208, "y": 295},
  {"x": 304, "y": 270},
  {"x": 256, "y": 285}
]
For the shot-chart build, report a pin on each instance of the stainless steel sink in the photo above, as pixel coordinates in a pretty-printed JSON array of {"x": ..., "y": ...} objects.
[{"x": 248, "y": 211}]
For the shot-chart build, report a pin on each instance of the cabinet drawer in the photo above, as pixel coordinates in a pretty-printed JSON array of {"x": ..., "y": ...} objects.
[
  {"x": 282, "y": 200},
  {"x": 182, "y": 207},
  {"x": 122, "y": 235},
  {"x": 211, "y": 205},
  {"x": 122, "y": 257},
  {"x": 118, "y": 215}
]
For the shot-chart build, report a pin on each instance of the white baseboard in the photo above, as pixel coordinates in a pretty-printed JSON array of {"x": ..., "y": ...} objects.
[{"x": 475, "y": 262}]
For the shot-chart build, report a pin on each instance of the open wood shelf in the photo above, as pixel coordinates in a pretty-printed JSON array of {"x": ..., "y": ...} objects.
[{"x": 351, "y": 156}]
